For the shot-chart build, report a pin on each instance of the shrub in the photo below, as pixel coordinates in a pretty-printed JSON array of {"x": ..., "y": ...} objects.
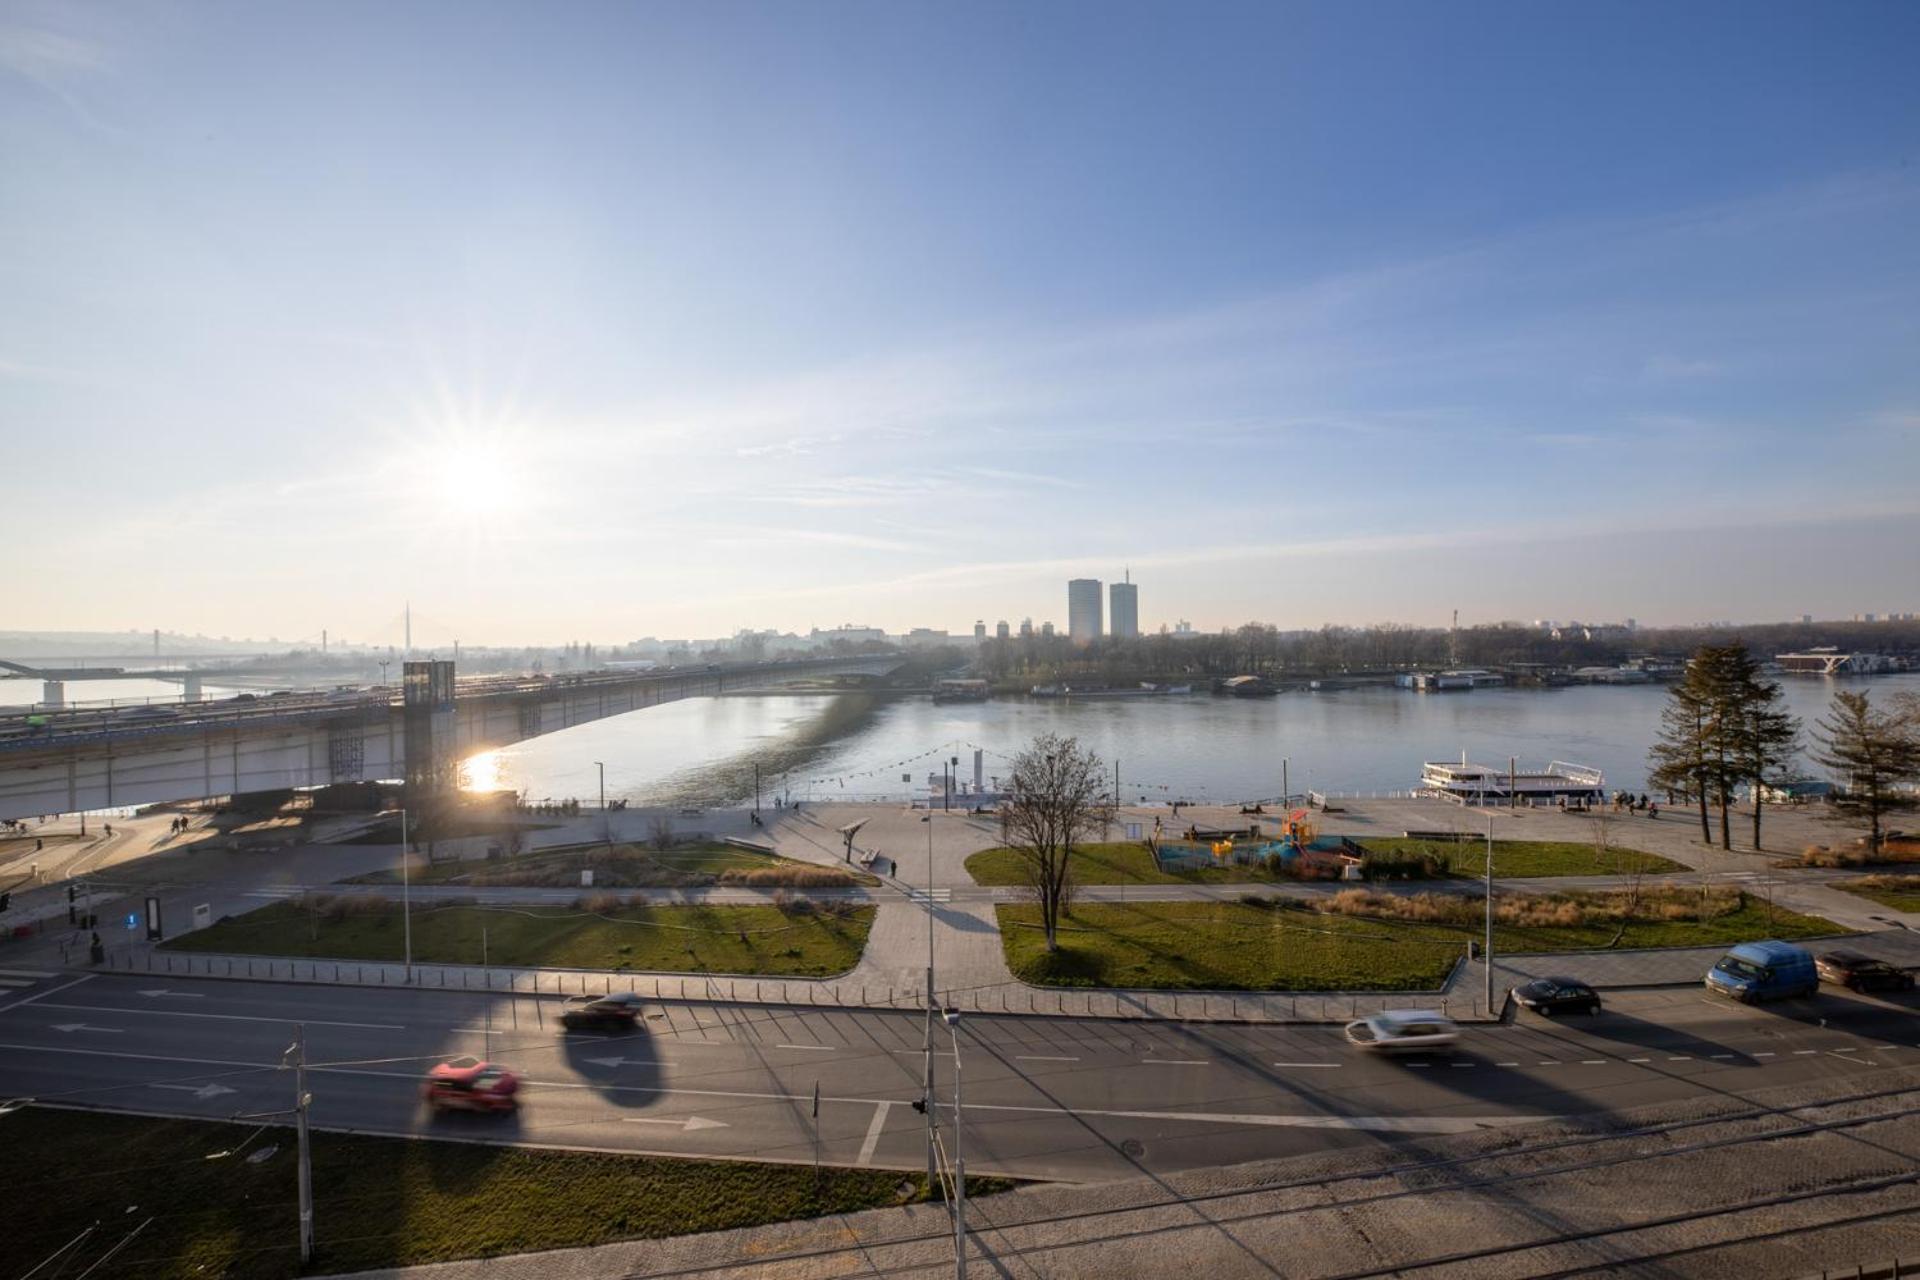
[
  {"x": 637, "y": 901},
  {"x": 1412, "y": 864},
  {"x": 1820, "y": 855},
  {"x": 600, "y": 904}
]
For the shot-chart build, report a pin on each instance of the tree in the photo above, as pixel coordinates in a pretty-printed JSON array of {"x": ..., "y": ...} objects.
[
  {"x": 1762, "y": 738},
  {"x": 1056, "y": 798},
  {"x": 1682, "y": 756},
  {"x": 1872, "y": 754}
]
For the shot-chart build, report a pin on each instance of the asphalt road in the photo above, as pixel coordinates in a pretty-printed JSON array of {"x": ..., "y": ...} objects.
[{"x": 1050, "y": 1098}]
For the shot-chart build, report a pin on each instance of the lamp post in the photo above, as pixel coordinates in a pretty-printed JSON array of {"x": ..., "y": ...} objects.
[
  {"x": 927, "y": 1085},
  {"x": 406, "y": 897},
  {"x": 1488, "y": 945},
  {"x": 606, "y": 819},
  {"x": 959, "y": 1160}
]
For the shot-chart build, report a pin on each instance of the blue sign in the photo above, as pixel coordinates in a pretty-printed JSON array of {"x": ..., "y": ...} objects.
[{"x": 133, "y": 920}]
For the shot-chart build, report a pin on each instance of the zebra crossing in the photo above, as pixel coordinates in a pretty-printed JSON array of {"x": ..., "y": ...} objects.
[{"x": 16, "y": 978}]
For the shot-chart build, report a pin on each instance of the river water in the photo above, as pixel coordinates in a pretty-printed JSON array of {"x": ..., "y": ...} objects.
[{"x": 1200, "y": 747}]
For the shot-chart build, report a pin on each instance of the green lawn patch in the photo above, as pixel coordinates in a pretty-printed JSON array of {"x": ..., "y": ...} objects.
[
  {"x": 1900, "y": 892},
  {"x": 629, "y": 866},
  {"x": 1517, "y": 859},
  {"x": 1287, "y": 946},
  {"x": 378, "y": 1202},
  {"x": 1124, "y": 862},
  {"x": 798, "y": 940}
]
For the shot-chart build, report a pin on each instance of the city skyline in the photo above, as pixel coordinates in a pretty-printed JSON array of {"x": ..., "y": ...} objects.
[{"x": 1309, "y": 314}]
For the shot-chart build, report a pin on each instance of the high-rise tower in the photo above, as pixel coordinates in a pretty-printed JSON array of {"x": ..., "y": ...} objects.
[
  {"x": 1124, "y": 616},
  {"x": 1083, "y": 610}
]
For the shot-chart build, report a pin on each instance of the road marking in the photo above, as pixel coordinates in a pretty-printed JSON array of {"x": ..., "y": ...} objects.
[
  {"x": 1721, "y": 1055},
  {"x": 1422, "y": 1065},
  {"x": 209, "y": 1090},
  {"x": 1174, "y": 1062},
  {"x": 1639, "y": 1059},
  {"x": 1025, "y": 1057},
  {"x": 1549, "y": 1062},
  {"x": 1765, "y": 1054},
  {"x": 1885, "y": 1047},
  {"x": 1458, "y": 1065},
  {"x": 1593, "y": 1062},
  {"x": 227, "y": 1017},
  {"x": 1497, "y": 1064},
  {"x": 817, "y": 1048},
  {"x": 16, "y": 982},
  {"x": 1803, "y": 1053},
  {"x": 1682, "y": 1058},
  {"x": 1327, "y": 1066},
  {"x": 617, "y": 1063},
  {"x": 157, "y": 992},
  {"x": 686, "y": 1125},
  {"x": 1858, "y": 1062},
  {"x": 28, "y": 973},
  {"x": 71, "y": 1027},
  {"x": 85, "y": 977},
  {"x": 873, "y": 1133}
]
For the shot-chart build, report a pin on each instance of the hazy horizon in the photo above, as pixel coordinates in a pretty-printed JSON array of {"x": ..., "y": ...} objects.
[{"x": 629, "y": 320}]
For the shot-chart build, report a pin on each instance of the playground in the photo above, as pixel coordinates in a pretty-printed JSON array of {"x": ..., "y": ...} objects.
[{"x": 1299, "y": 850}]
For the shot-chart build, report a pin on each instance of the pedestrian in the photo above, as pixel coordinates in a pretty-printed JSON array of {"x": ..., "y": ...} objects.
[{"x": 1653, "y": 810}]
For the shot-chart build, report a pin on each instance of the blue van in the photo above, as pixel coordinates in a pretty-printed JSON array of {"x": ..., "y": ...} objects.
[{"x": 1756, "y": 971}]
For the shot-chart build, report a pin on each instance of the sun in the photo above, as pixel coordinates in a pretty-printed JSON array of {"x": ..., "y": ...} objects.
[{"x": 478, "y": 480}]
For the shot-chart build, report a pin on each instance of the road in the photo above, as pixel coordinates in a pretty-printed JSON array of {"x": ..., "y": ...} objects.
[{"x": 1055, "y": 1098}]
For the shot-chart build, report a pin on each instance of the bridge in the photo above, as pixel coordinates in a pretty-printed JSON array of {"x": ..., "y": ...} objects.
[{"x": 66, "y": 761}]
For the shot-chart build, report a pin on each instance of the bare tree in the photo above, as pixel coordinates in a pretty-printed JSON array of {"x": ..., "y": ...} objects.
[
  {"x": 1057, "y": 798},
  {"x": 660, "y": 833}
]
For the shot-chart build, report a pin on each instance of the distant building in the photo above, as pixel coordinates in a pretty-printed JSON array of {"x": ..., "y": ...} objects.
[
  {"x": 924, "y": 638},
  {"x": 1026, "y": 628},
  {"x": 1866, "y": 617},
  {"x": 1046, "y": 630},
  {"x": 1002, "y": 631},
  {"x": 848, "y": 632},
  {"x": 1806, "y": 619},
  {"x": 1124, "y": 620},
  {"x": 1083, "y": 610},
  {"x": 980, "y": 630}
]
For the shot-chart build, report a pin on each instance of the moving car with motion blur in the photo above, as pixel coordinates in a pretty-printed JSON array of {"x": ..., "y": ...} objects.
[
  {"x": 1548, "y": 996},
  {"x": 616, "y": 1012},
  {"x": 1404, "y": 1031},
  {"x": 1856, "y": 972},
  {"x": 468, "y": 1084}
]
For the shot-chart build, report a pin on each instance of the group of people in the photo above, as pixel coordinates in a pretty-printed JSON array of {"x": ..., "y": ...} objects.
[{"x": 177, "y": 825}]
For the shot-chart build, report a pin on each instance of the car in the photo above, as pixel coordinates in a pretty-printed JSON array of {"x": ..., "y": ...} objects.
[
  {"x": 1856, "y": 972},
  {"x": 144, "y": 713},
  {"x": 1548, "y": 996},
  {"x": 616, "y": 1012},
  {"x": 1769, "y": 970},
  {"x": 1403, "y": 1031},
  {"x": 468, "y": 1084}
]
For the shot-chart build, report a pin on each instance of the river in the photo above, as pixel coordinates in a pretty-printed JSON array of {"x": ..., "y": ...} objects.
[{"x": 1201, "y": 747}]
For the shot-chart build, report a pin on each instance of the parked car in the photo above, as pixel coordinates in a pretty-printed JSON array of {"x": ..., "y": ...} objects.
[
  {"x": 1771, "y": 970},
  {"x": 468, "y": 1084},
  {"x": 616, "y": 1012},
  {"x": 1548, "y": 996},
  {"x": 1403, "y": 1031},
  {"x": 1856, "y": 972}
]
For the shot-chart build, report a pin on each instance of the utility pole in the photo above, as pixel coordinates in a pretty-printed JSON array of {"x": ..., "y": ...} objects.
[
  {"x": 756, "y": 786},
  {"x": 959, "y": 1160},
  {"x": 1286, "y": 790},
  {"x": 606, "y": 819},
  {"x": 406, "y": 897},
  {"x": 486, "y": 1036},
  {"x": 301, "y": 1100},
  {"x": 927, "y": 1086},
  {"x": 1488, "y": 945},
  {"x": 1513, "y": 782}
]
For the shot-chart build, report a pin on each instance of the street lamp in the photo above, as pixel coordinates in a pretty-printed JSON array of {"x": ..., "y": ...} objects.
[
  {"x": 606, "y": 819},
  {"x": 959, "y": 1160},
  {"x": 927, "y": 1095},
  {"x": 406, "y": 896}
]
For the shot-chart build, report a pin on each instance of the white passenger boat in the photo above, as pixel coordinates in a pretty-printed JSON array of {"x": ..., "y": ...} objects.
[{"x": 1495, "y": 784}]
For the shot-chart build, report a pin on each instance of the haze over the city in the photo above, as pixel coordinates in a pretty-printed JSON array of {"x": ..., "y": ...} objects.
[{"x": 620, "y": 320}]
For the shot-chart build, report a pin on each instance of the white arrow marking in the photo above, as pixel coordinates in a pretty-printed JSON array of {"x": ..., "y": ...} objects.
[
  {"x": 71, "y": 1027},
  {"x": 178, "y": 995},
  {"x": 198, "y": 1091},
  {"x": 687, "y": 1125}
]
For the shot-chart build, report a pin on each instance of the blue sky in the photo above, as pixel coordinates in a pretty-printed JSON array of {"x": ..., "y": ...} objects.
[{"x": 624, "y": 319}]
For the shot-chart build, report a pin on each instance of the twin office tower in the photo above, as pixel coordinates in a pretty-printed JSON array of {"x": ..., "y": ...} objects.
[{"x": 1083, "y": 609}]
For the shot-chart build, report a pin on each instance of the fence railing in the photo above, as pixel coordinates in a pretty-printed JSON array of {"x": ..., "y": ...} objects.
[{"x": 841, "y": 993}]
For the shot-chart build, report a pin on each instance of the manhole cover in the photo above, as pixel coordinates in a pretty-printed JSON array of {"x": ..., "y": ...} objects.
[{"x": 1133, "y": 1148}]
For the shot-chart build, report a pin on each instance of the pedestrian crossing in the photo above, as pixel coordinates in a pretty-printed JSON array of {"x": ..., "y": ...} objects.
[
  {"x": 921, "y": 896},
  {"x": 23, "y": 977}
]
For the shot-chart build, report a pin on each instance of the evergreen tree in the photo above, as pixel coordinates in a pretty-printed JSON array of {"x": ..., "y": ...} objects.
[
  {"x": 1763, "y": 738},
  {"x": 1872, "y": 755},
  {"x": 1681, "y": 756}
]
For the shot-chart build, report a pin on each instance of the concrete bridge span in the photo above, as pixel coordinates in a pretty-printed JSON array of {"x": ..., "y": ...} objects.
[{"x": 102, "y": 759}]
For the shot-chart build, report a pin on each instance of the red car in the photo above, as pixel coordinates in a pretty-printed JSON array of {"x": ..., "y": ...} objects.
[{"x": 468, "y": 1084}]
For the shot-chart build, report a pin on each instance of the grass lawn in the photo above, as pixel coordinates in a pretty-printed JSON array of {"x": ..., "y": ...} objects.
[
  {"x": 1125, "y": 862},
  {"x": 1130, "y": 863},
  {"x": 628, "y": 866},
  {"x": 378, "y": 1202},
  {"x": 1232, "y": 946},
  {"x": 684, "y": 939},
  {"x": 1901, "y": 893},
  {"x": 1518, "y": 859}
]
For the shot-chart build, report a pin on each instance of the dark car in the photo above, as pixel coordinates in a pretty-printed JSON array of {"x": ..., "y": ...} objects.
[
  {"x": 1549, "y": 996},
  {"x": 1856, "y": 972},
  {"x": 616, "y": 1012}
]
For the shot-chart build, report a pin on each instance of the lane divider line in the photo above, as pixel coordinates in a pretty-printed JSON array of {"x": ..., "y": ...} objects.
[
  {"x": 817, "y": 1048},
  {"x": 50, "y": 991},
  {"x": 1174, "y": 1062},
  {"x": 873, "y": 1133},
  {"x": 227, "y": 1017}
]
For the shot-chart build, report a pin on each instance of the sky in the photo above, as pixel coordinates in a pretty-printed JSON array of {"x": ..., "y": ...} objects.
[{"x": 611, "y": 320}]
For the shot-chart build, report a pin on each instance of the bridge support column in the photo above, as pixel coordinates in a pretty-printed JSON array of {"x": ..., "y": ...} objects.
[
  {"x": 53, "y": 693},
  {"x": 427, "y": 709},
  {"x": 191, "y": 692}
]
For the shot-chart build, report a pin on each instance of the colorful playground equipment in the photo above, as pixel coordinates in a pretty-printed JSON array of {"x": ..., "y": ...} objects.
[{"x": 1300, "y": 848}]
